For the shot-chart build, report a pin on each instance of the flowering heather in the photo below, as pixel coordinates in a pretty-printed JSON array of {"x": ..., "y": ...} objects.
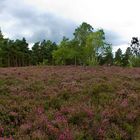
[
  {"x": 1, "y": 131},
  {"x": 40, "y": 110},
  {"x": 4, "y": 138},
  {"x": 101, "y": 133},
  {"x": 60, "y": 118},
  {"x": 124, "y": 103},
  {"x": 26, "y": 127},
  {"x": 89, "y": 112},
  {"x": 65, "y": 135},
  {"x": 69, "y": 103}
]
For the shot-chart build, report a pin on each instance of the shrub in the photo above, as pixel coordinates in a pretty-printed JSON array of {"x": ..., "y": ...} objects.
[
  {"x": 77, "y": 118},
  {"x": 135, "y": 61},
  {"x": 54, "y": 103},
  {"x": 36, "y": 87}
]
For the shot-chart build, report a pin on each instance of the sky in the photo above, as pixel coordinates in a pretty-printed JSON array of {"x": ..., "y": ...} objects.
[{"x": 37, "y": 20}]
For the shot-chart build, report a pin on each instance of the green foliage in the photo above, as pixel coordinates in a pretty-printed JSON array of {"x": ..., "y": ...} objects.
[
  {"x": 126, "y": 57},
  {"x": 101, "y": 87},
  {"x": 64, "y": 56},
  {"x": 77, "y": 118},
  {"x": 101, "y": 93},
  {"x": 42, "y": 52},
  {"x": 45, "y": 62},
  {"x": 128, "y": 127},
  {"x": 67, "y": 53},
  {"x": 57, "y": 102},
  {"x": 106, "y": 55},
  {"x": 83, "y": 49},
  {"x": 83, "y": 136},
  {"x": 94, "y": 42},
  {"x": 14, "y": 53},
  {"x": 82, "y": 32},
  {"x": 54, "y": 103},
  {"x": 118, "y": 57},
  {"x": 88, "y": 47},
  {"x": 36, "y": 87},
  {"x": 135, "y": 61}
]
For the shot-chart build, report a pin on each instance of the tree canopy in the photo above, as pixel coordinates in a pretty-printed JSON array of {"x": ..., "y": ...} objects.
[{"x": 87, "y": 47}]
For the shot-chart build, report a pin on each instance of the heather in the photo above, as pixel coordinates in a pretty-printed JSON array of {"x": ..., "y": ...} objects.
[{"x": 69, "y": 103}]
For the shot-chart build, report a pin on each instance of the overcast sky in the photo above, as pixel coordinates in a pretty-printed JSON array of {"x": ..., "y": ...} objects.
[{"x": 52, "y": 19}]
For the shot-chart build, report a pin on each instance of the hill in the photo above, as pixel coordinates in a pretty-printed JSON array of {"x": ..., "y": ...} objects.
[{"x": 70, "y": 103}]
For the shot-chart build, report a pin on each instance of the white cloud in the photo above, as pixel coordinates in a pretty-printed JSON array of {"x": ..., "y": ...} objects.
[
  {"x": 121, "y": 16},
  {"x": 118, "y": 16},
  {"x": 27, "y": 20}
]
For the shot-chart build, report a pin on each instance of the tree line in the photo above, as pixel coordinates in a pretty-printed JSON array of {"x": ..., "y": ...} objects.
[{"x": 88, "y": 47}]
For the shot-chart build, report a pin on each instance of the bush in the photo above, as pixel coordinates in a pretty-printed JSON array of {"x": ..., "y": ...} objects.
[
  {"x": 36, "y": 86},
  {"x": 77, "y": 118},
  {"x": 102, "y": 87},
  {"x": 135, "y": 61},
  {"x": 54, "y": 103}
]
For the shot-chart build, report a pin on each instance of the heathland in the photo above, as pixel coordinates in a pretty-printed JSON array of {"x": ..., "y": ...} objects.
[{"x": 69, "y": 103}]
